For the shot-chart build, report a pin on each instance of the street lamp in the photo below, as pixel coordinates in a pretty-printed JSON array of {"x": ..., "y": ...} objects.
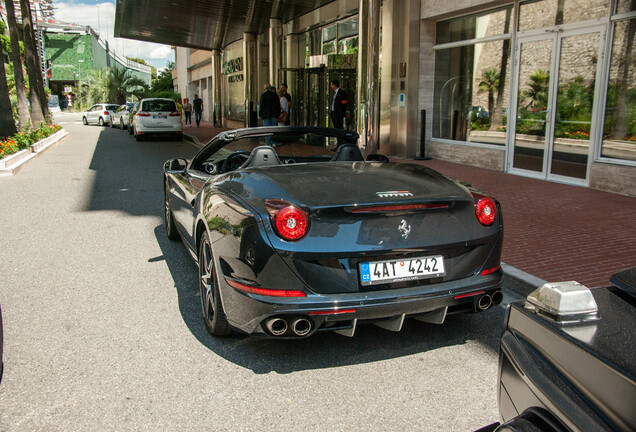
[{"x": 79, "y": 77}]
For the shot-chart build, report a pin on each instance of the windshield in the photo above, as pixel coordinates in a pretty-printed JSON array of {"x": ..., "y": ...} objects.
[{"x": 158, "y": 105}]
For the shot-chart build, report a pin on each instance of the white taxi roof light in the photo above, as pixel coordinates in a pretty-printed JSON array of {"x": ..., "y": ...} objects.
[{"x": 563, "y": 301}]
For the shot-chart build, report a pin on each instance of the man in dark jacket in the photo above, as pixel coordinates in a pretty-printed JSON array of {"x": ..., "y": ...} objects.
[
  {"x": 338, "y": 105},
  {"x": 283, "y": 93},
  {"x": 269, "y": 106}
]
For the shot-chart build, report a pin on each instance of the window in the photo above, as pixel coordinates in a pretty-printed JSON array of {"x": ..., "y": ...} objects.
[
  {"x": 547, "y": 13},
  {"x": 619, "y": 128},
  {"x": 158, "y": 106},
  {"x": 472, "y": 79}
]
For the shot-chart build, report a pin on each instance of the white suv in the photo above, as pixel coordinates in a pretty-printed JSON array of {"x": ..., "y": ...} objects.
[
  {"x": 157, "y": 116},
  {"x": 99, "y": 113}
]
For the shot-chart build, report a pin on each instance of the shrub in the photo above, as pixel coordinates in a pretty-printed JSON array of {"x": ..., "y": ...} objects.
[{"x": 24, "y": 139}]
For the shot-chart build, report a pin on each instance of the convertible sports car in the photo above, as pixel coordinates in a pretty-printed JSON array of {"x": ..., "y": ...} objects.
[{"x": 304, "y": 235}]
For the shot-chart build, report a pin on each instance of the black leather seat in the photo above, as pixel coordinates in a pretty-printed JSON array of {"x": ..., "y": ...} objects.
[
  {"x": 261, "y": 156},
  {"x": 348, "y": 153}
]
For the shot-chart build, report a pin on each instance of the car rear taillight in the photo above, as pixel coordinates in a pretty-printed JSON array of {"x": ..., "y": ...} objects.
[
  {"x": 290, "y": 222},
  {"x": 143, "y": 114},
  {"x": 485, "y": 209},
  {"x": 264, "y": 291},
  {"x": 175, "y": 114},
  {"x": 106, "y": 113}
]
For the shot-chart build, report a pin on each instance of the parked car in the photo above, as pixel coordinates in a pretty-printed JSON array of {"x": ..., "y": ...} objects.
[
  {"x": 99, "y": 114},
  {"x": 121, "y": 116},
  {"x": 568, "y": 360},
  {"x": 131, "y": 116},
  {"x": 157, "y": 116},
  {"x": 294, "y": 239}
]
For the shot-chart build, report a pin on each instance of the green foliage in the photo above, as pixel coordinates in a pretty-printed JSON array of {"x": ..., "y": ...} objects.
[
  {"x": 123, "y": 83},
  {"x": 160, "y": 94},
  {"x": 164, "y": 80},
  {"x": 537, "y": 91}
]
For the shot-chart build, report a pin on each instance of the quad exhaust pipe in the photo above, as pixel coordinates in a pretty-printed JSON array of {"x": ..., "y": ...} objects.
[
  {"x": 301, "y": 326},
  {"x": 487, "y": 300},
  {"x": 278, "y": 326}
]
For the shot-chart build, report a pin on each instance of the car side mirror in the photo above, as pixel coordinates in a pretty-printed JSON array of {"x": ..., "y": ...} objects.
[
  {"x": 177, "y": 164},
  {"x": 377, "y": 157}
]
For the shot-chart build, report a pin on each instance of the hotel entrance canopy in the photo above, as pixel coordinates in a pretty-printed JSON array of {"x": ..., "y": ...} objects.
[{"x": 203, "y": 24}]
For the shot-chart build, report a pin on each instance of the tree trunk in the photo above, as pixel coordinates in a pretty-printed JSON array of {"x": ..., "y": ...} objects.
[
  {"x": 39, "y": 107},
  {"x": 23, "y": 107},
  {"x": 7, "y": 125}
]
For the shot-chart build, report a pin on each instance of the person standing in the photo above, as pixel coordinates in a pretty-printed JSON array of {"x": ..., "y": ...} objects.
[
  {"x": 338, "y": 105},
  {"x": 197, "y": 105},
  {"x": 187, "y": 111},
  {"x": 283, "y": 90},
  {"x": 269, "y": 106},
  {"x": 284, "y": 109}
]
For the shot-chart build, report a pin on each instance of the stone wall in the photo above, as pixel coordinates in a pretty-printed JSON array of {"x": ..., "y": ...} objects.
[
  {"x": 468, "y": 155},
  {"x": 613, "y": 178}
]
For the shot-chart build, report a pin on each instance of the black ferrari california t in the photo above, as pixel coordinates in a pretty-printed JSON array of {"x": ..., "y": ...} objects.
[{"x": 295, "y": 233}]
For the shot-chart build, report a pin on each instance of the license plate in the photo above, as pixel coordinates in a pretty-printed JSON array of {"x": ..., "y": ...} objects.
[
  {"x": 159, "y": 117},
  {"x": 376, "y": 272}
]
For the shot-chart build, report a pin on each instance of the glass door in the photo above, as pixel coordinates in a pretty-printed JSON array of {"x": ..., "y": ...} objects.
[{"x": 555, "y": 92}]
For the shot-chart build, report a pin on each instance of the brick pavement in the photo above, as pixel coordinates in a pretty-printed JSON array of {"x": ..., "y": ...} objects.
[{"x": 552, "y": 231}]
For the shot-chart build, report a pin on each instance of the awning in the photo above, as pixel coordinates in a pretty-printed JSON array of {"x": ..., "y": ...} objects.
[{"x": 203, "y": 24}]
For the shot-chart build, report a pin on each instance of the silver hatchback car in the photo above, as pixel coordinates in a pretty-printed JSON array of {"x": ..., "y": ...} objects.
[{"x": 99, "y": 113}]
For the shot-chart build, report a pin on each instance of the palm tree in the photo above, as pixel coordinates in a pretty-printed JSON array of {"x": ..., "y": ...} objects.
[
  {"x": 23, "y": 107},
  {"x": 123, "y": 83},
  {"x": 39, "y": 107},
  {"x": 97, "y": 87},
  {"x": 7, "y": 125},
  {"x": 489, "y": 82},
  {"x": 538, "y": 89}
]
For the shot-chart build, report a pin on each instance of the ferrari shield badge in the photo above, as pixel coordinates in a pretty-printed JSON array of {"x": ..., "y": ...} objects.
[{"x": 405, "y": 229}]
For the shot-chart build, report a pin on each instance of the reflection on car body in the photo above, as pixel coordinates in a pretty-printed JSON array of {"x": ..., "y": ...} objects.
[{"x": 282, "y": 248}]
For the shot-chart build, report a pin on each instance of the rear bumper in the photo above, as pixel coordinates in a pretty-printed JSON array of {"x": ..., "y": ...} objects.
[{"x": 343, "y": 312}]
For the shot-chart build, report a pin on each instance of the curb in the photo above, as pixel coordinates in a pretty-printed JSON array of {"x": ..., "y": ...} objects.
[
  {"x": 24, "y": 156},
  {"x": 519, "y": 282}
]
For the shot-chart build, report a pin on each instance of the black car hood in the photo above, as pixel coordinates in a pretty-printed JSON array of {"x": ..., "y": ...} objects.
[{"x": 335, "y": 184}]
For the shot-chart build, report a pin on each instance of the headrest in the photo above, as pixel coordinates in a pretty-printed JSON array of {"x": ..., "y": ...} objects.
[
  {"x": 261, "y": 156},
  {"x": 348, "y": 153}
]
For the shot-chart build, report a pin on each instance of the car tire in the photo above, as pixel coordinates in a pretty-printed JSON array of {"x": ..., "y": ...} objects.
[
  {"x": 112, "y": 124},
  {"x": 84, "y": 120},
  {"x": 130, "y": 129},
  {"x": 101, "y": 121},
  {"x": 137, "y": 136},
  {"x": 171, "y": 229},
  {"x": 211, "y": 306}
]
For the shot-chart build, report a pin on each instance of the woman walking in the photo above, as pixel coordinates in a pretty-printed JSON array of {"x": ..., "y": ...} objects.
[{"x": 187, "y": 111}]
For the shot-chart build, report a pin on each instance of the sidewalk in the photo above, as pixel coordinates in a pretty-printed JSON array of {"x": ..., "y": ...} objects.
[{"x": 553, "y": 231}]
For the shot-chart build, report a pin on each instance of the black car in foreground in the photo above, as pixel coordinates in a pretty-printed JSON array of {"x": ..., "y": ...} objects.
[
  {"x": 294, "y": 233},
  {"x": 568, "y": 359}
]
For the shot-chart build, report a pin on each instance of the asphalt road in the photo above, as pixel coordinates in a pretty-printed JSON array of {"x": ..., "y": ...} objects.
[{"x": 103, "y": 329}]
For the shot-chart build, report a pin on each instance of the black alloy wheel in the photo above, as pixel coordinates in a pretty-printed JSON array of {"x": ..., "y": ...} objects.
[
  {"x": 84, "y": 120},
  {"x": 213, "y": 314},
  {"x": 101, "y": 121},
  {"x": 171, "y": 230}
]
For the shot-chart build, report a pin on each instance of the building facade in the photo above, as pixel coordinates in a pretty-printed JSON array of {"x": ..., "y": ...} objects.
[
  {"x": 541, "y": 88},
  {"x": 71, "y": 52}
]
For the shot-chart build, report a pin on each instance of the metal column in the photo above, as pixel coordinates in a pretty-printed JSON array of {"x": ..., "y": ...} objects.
[
  {"x": 249, "y": 56},
  {"x": 275, "y": 48},
  {"x": 216, "y": 88},
  {"x": 368, "y": 75}
]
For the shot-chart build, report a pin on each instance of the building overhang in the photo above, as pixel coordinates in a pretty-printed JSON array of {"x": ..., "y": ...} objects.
[{"x": 203, "y": 24}]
